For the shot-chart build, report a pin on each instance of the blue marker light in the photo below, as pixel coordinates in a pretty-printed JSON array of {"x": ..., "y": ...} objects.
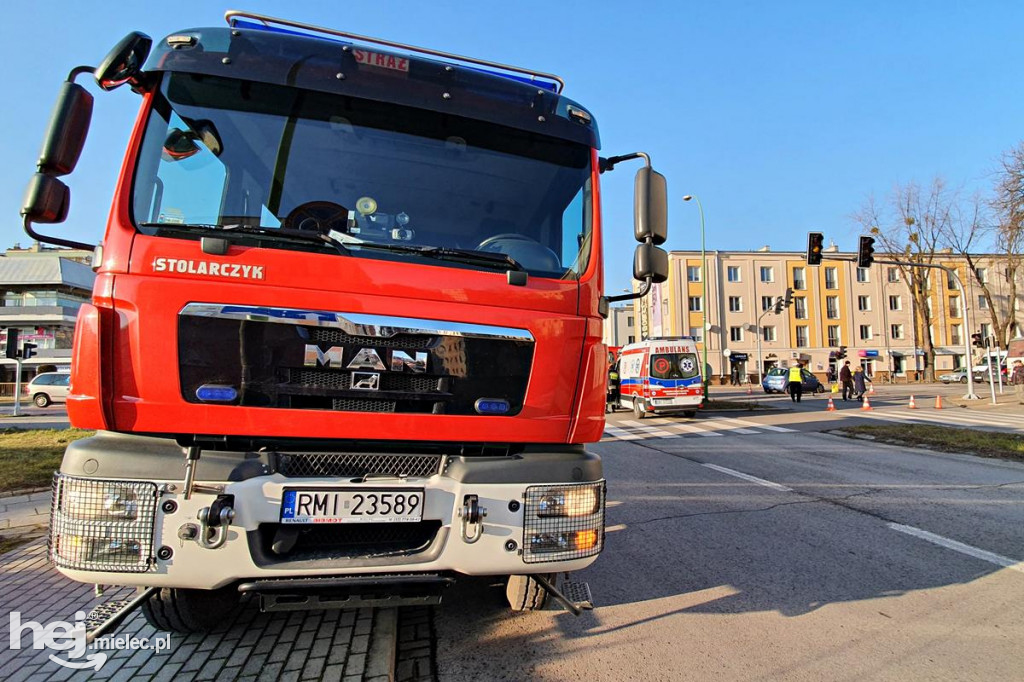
[
  {"x": 492, "y": 406},
  {"x": 216, "y": 393}
]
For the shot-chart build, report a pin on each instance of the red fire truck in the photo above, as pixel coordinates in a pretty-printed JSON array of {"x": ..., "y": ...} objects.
[{"x": 345, "y": 339}]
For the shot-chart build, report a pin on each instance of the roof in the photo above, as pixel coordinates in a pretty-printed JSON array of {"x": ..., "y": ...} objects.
[{"x": 54, "y": 271}]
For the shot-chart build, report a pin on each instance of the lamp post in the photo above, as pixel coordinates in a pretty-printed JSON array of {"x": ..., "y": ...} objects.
[{"x": 703, "y": 297}]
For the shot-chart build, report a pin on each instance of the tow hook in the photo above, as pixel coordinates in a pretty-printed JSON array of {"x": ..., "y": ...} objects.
[
  {"x": 214, "y": 521},
  {"x": 472, "y": 514}
]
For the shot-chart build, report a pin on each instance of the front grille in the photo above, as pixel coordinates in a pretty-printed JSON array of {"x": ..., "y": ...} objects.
[
  {"x": 102, "y": 525},
  {"x": 341, "y": 381},
  {"x": 348, "y": 540},
  {"x": 403, "y": 341},
  {"x": 347, "y": 465},
  {"x": 356, "y": 405}
]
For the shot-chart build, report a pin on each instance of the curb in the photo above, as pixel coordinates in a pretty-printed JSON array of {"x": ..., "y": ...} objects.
[{"x": 380, "y": 659}]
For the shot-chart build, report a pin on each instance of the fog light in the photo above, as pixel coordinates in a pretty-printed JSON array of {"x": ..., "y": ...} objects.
[{"x": 586, "y": 539}]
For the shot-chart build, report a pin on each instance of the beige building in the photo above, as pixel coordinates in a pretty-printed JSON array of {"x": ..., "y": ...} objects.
[
  {"x": 870, "y": 311},
  {"x": 620, "y": 326}
]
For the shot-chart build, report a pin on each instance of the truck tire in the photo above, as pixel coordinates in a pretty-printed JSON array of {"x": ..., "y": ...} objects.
[
  {"x": 638, "y": 408},
  {"x": 525, "y": 594},
  {"x": 187, "y": 611}
]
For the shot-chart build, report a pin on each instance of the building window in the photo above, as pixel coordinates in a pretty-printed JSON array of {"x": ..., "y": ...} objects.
[
  {"x": 833, "y": 335},
  {"x": 801, "y": 337},
  {"x": 982, "y": 302},
  {"x": 695, "y": 304},
  {"x": 629, "y": 320},
  {"x": 982, "y": 274},
  {"x": 735, "y": 333},
  {"x": 799, "y": 282},
  {"x": 951, "y": 282},
  {"x": 697, "y": 333},
  {"x": 768, "y": 333},
  {"x": 735, "y": 304},
  {"x": 830, "y": 279},
  {"x": 800, "y": 307},
  {"x": 865, "y": 332},
  {"x": 832, "y": 307},
  {"x": 692, "y": 273},
  {"x": 863, "y": 303},
  {"x": 896, "y": 331},
  {"x": 732, "y": 272},
  {"x": 954, "y": 335},
  {"x": 862, "y": 275},
  {"x": 767, "y": 303},
  {"x": 893, "y": 274},
  {"x": 767, "y": 273},
  {"x": 630, "y": 339},
  {"x": 954, "y": 306},
  {"x": 986, "y": 330},
  {"x": 895, "y": 303}
]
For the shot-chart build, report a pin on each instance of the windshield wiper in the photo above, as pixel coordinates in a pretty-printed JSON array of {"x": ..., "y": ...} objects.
[
  {"x": 485, "y": 258},
  {"x": 245, "y": 230}
]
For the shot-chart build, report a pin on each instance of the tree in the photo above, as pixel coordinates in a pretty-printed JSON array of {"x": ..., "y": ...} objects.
[
  {"x": 1007, "y": 205},
  {"x": 911, "y": 225}
]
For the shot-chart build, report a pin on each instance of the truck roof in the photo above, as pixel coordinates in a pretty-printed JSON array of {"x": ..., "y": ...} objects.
[{"x": 256, "y": 52}]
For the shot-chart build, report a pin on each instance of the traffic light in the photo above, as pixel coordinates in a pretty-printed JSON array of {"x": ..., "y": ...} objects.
[
  {"x": 866, "y": 252},
  {"x": 815, "y": 245},
  {"x": 27, "y": 350},
  {"x": 779, "y": 303},
  {"x": 789, "y": 297},
  {"x": 977, "y": 341},
  {"x": 841, "y": 353},
  {"x": 11, "y": 345}
]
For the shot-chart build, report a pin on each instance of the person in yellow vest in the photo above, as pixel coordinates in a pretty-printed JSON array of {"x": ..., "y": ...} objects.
[{"x": 795, "y": 387}]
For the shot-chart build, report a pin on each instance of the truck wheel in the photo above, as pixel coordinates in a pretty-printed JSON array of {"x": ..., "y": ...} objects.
[
  {"x": 41, "y": 400},
  {"x": 181, "y": 610},
  {"x": 690, "y": 414},
  {"x": 638, "y": 408},
  {"x": 525, "y": 594}
]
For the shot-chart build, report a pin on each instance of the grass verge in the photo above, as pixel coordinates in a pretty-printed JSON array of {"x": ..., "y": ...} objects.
[
  {"x": 945, "y": 439},
  {"x": 28, "y": 458}
]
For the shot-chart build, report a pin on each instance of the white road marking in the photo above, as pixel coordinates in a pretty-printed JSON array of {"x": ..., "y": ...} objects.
[
  {"x": 620, "y": 433},
  {"x": 946, "y": 419},
  {"x": 766, "y": 427},
  {"x": 694, "y": 429},
  {"x": 984, "y": 555},
  {"x": 748, "y": 477},
  {"x": 657, "y": 433}
]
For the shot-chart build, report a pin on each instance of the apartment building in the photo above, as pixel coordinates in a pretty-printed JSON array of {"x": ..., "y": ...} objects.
[
  {"x": 728, "y": 307},
  {"x": 620, "y": 326}
]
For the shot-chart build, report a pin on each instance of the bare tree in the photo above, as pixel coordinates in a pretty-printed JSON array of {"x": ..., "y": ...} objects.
[
  {"x": 1008, "y": 207},
  {"x": 910, "y": 226}
]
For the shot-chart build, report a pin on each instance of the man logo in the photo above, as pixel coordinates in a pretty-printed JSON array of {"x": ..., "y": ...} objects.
[
  {"x": 366, "y": 358},
  {"x": 365, "y": 381}
]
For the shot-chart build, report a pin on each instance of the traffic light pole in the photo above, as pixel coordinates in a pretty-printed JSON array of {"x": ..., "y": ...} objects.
[{"x": 17, "y": 389}]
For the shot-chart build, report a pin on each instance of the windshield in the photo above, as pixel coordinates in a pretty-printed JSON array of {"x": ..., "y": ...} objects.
[
  {"x": 674, "y": 366},
  {"x": 383, "y": 180}
]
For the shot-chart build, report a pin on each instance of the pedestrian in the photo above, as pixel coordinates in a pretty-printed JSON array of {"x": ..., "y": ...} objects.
[
  {"x": 846, "y": 378},
  {"x": 735, "y": 379},
  {"x": 614, "y": 389},
  {"x": 1017, "y": 380},
  {"x": 796, "y": 389},
  {"x": 860, "y": 381}
]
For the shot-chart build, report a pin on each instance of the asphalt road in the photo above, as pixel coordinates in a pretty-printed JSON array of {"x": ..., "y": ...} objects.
[{"x": 840, "y": 563}]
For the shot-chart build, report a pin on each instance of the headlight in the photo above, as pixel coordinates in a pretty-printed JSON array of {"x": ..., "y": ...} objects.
[
  {"x": 102, "y": 525},
  {"x": 563, "y": 522}
]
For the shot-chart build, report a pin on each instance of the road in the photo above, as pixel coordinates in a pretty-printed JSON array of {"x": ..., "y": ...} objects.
[{"x": 774, "y": 554}]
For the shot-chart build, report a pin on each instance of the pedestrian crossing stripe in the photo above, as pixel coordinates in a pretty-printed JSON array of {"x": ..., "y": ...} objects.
[
  {"x": 712, "y": 427},
  {"x": 1005, "y": 422}
]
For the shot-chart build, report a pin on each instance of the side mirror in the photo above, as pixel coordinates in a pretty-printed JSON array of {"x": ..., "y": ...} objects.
[
  {"x": 69, "y": 125},
  {"x": 47, "y": 200},
  {"x": 650, "y": 206},
  {"x": 650, "y": 262},
  {"x": 123, "y": 64}
]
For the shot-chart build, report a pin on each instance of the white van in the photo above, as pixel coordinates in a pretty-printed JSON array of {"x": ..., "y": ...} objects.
[{"x": 661, "y": 376}]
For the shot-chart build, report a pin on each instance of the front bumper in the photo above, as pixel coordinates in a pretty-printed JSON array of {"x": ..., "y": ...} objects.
[{"x": 136, "y": 531}]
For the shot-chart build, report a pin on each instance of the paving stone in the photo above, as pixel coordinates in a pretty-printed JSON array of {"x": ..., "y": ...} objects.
[
  {"x": 313, "y": 668},
  {"x": 333, "y": 673}
]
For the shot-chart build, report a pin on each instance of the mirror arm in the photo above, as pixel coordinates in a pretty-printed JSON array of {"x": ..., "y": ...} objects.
[
  {"x": 78, "y": 71},
  {"x": 55, "y": 240},
  {"x": 609, "y": 163},
  {"x": 636, "y": 294}
]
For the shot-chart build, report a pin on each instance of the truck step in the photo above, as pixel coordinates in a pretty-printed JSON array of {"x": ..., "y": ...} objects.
[
  {"x": 101, "y": 613},
  {"x": 277, "y": 601},
  {"x": 578, "y": 592}
]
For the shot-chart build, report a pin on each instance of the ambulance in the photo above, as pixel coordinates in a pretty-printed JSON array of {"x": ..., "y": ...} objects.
[{"x": 661, "y": 376}]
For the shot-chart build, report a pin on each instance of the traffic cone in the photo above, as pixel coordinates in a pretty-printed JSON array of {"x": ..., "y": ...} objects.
[
  {"x": 749, "y": 390},
  {"x": 912, "y": 405},
  {"x": 871, "y": 389},
  {"x": 867, "y": 404},
  {"x": 831, "y": 405},
  {"x": 938, "y": 402}
]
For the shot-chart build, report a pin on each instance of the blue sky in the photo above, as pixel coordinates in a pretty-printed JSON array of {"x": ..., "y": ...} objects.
[{"x": 781, "y": 116}]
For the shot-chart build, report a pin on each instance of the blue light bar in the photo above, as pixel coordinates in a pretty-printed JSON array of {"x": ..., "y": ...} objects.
[
  {"x": 492, "y": 406},
  {"x": 216, "y": 393}
]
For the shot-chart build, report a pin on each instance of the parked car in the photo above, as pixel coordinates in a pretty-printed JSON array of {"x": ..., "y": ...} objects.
[
  {"x": 49, "y": 387},
  {"x": 777, "y": 378}
]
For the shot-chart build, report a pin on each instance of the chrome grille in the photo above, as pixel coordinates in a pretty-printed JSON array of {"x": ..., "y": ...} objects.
[
  {"x": 341, "y": 464},
  {"x": 321, "y": 379},
  {"x": 358, "y": 405},
  {"x": 403, "y": 341},
  {"x": 340, "y": 381}
]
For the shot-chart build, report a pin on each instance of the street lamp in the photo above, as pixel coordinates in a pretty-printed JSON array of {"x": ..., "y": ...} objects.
[{"x": 703, "y": 296}]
